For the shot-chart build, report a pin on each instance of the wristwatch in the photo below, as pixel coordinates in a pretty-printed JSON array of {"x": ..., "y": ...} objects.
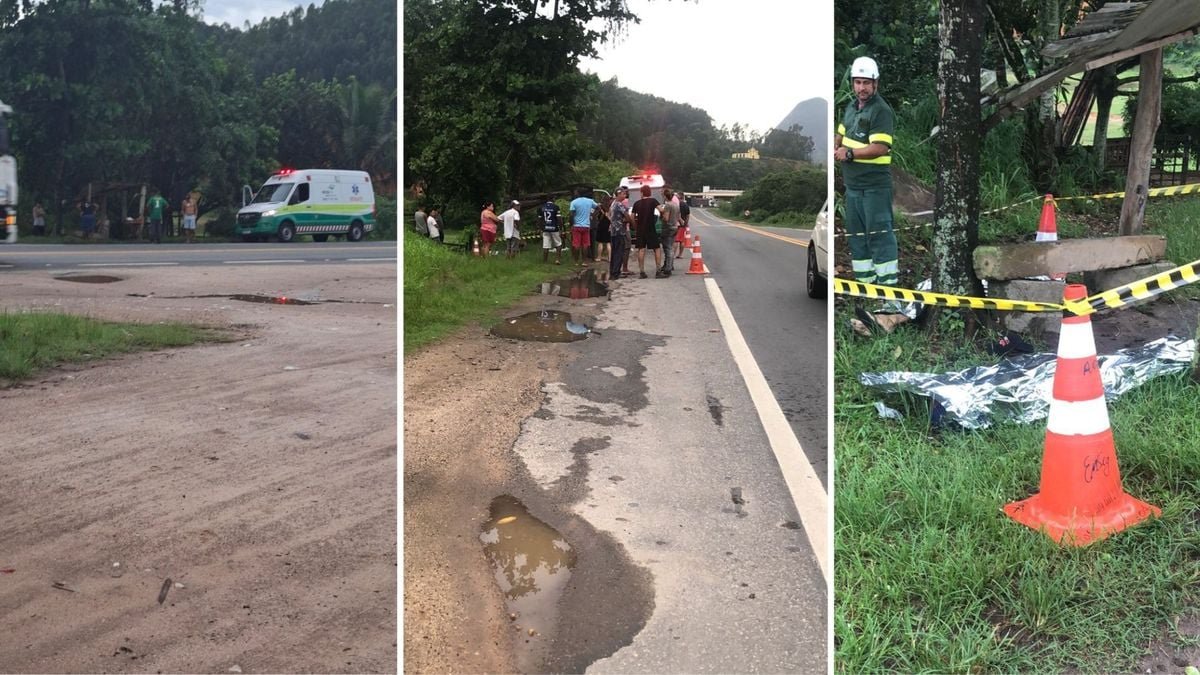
[{"x": 849, "y": 154}]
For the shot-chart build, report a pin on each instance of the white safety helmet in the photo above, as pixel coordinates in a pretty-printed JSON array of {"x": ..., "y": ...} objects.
[{"x": 864, "y": 66}]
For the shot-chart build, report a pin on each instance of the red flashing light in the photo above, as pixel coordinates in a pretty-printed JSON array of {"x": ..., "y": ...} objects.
[{"x": 285, "y": 172}]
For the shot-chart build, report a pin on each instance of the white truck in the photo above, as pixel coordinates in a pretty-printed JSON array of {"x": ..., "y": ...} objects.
[{"x": 8, "y": 180}]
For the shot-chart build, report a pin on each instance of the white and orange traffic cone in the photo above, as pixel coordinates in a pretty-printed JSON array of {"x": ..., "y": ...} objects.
[
  {"x": 697, "y": 266},
  {"x": 1048, "y": 227},
  {"x": 1080, "y": 499},
  {"x": 474, "y": 247}
]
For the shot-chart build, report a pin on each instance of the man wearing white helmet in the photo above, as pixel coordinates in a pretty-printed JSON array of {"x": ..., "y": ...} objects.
[{"x": 863, "y": 148}]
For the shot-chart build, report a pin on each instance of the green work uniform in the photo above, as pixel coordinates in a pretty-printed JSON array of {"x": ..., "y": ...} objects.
[{"x": 873, "y": 250}]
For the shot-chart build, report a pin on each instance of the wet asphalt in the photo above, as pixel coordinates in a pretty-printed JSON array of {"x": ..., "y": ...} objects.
[{"x": 651, "y": 443}]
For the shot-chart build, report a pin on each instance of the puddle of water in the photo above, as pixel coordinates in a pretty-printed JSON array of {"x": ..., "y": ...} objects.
[
  {"x": 587, "y": 284},
  {"x": 532, "y": 563},
  {"x": 89, "y": 278},
  {"x": 544, "y": 326},
  {"x": 271, "y": 300}
]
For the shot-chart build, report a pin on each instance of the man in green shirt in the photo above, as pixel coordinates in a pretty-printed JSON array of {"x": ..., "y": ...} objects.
[
  {"x": 154, "y": 209},
  {"x": 863, "y": 145}
]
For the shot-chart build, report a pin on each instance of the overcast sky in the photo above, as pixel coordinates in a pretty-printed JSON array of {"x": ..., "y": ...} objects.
[
  {"x": 747, "y": 61},
  {"x": 236, "y": 12}
]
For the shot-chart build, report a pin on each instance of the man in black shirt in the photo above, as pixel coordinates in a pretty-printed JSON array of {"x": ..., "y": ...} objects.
[{"x": 645, "y": 212}]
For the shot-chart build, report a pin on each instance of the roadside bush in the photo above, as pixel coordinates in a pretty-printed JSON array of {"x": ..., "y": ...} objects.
[
  {"x": 385, "y": 218},
  {"x": 222, "y": 223},
  {"x": 778, "y": 193}
]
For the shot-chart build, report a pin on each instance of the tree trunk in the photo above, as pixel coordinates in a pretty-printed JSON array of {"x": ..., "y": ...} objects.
[
  {"x": 1141, "y": 148},
  {"x": 956, "y": 210},
  {"x": 1106, "y": 90}
]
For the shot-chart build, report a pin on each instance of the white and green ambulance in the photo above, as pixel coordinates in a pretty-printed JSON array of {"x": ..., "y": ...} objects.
[{"x": 319, "y": 202}]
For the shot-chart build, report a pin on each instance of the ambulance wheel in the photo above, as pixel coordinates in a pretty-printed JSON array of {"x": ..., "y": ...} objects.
[
  {"x": 321, "y": 237},
  {"x": 287, "y": 232},
  {"x": 356, "y": 231}
]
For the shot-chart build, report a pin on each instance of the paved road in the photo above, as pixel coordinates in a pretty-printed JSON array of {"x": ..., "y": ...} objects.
[
  {"x": 654, "y": 436},
  {"x": 53, "y": 256},
  {"x": 761, "y": 273}
]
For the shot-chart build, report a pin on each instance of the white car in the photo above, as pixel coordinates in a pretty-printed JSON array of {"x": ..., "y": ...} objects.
[{"x": 817, "y": 278}]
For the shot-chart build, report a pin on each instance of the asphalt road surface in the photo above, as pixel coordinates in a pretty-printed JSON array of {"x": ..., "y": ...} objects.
[
  {"x": 656, "y": 435},
  {"x": 91, "y": 256},
  {"x": 761, "y": 272}
]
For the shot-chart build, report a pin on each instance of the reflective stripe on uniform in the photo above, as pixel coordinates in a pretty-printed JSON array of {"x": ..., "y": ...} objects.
[
  {"x": 866, "y": 265},
  {"x": 841, "y": 130},
  {"x": 881, "y": 138},
  {"x": 889, "y": 268},
  {"x": 857, "y": 145}
]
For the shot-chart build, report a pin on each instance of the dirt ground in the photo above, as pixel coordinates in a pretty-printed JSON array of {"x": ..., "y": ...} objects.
[
  {"x": 252, "y": 482},
  {"x": 464, "y": 400}
]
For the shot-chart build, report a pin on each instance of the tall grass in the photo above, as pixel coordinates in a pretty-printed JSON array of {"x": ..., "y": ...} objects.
[
  {"x": 33, "y": 341},
  {"x": 445, "y": 289}
]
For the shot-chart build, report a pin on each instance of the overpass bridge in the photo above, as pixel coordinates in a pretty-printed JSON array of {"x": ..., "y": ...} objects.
[{"x": 716, "y": 193}]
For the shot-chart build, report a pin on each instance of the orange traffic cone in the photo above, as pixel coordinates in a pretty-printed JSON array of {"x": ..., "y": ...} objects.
[
  {"x": 1080, "y": 498},
  {"x": 697, "y": 266},
  {"x": 687, "y": 237},
  {"x": 1048, "y": 227},
  {"x": 475, "y": 245}
]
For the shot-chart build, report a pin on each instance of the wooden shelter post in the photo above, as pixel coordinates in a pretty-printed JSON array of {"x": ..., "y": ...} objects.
[{"x": 1141, "y": 147}]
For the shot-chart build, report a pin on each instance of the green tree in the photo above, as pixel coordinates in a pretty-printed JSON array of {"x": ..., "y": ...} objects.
[
  {"x": 788, "y": 143},
  {"x": 493, "y": 97}
]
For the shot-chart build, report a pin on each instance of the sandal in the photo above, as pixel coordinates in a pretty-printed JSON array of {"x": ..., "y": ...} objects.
[{"x": 869, "y": 324}]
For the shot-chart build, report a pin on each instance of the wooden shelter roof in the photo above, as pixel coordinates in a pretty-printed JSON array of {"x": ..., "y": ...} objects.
[{"x": 1115, "y": 32}]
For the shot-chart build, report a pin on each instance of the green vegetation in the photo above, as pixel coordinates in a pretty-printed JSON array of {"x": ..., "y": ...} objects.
[
  {"x": 784, "y": 199},
  {"x": 123, "y": 93},
  {"x": 932, "y": 577},
  {"x": 444, "y": 289},
  {"x": 33, "y": 341}
]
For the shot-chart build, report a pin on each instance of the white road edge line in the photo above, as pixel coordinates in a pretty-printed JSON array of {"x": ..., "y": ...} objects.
[
  {"x": 365, "y": 259},
  {"x": 128, "y": 264},
  {"x": 812, "y": 503},
  {"x": 259, "y": 262}
]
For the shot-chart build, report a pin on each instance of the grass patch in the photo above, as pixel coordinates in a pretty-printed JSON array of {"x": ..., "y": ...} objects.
[
  {"x": 931, "y": 576},
  {"x": 1177, "y": 219},
  {"x": 444, "y": 289},
  {"x": 33, "y": 341}
]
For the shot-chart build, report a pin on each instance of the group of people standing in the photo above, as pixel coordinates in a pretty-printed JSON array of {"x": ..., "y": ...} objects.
[
  {"x": 430, "y": 224},
  {"x": 156, "y": 210},
  {"x": 620, "y": 227},
  {"x": 647, "y": 224}
]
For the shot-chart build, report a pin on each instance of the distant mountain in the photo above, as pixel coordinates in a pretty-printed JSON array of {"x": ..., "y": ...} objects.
[{"x": 813, "y": 116}]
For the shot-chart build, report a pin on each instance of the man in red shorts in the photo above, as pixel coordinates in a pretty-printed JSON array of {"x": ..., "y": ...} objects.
[{"x": 581, "y": 226}]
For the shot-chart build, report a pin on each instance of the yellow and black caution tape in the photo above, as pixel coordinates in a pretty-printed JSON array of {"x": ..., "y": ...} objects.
[
  {"x": 1121, "y": 296},
  {"x": 1171, "y": 191},
  {"x": 1142, "y": 289},
  {"x": 861, "y": 290}
]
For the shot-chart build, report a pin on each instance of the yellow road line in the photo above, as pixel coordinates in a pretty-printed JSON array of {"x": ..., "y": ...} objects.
[{"x": 780, "y": 237}]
